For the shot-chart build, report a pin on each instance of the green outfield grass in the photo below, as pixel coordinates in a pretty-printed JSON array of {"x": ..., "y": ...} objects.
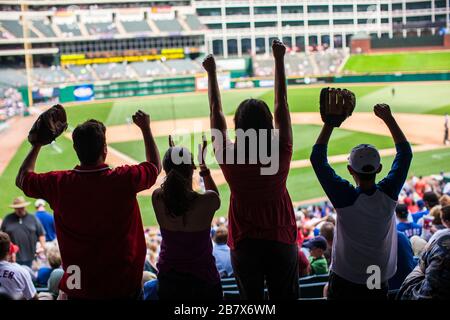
[
  {"x": 304, "y": 137},
  {"x": 398, "y": 62},
  {"x": 433, "y": 98}
]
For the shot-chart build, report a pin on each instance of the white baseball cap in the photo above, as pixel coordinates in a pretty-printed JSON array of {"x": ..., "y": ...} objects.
[
  {"x": 39, "y": 202},
  {"x": 365, "y": 159}
]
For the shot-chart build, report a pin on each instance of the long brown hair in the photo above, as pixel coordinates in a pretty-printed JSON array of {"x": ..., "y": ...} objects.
[
  {"x": 254, "y": 114},
  {"x": 177, "y": 187}
]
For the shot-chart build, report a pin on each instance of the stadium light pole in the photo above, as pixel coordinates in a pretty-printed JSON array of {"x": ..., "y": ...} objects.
[{"x": 27, "y": 49}]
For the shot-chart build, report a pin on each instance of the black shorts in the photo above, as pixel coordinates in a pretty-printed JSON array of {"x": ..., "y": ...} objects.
[
  {"x": 178, "y": 286},
  {"x": 257, "y": 263},
  {"x": 342, "y": 289}
]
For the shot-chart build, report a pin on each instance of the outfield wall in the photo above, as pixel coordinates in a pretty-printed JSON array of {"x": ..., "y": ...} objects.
[{"x": 123, "y": 89}]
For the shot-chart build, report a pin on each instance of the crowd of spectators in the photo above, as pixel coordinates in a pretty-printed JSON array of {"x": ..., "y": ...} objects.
[
  {"x": 422, "y": 211},
  {"x": 11, "y": 103},
  {"x": 396, "y": 229}
]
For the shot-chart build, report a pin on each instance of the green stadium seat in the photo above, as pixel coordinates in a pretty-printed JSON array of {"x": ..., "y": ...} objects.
[
  {"x": 312, "y": 290},
  {"x": 313, "y": 279}
]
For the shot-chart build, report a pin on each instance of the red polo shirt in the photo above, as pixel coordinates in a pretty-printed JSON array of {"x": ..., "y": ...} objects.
[{"x": 98, "y": 225}]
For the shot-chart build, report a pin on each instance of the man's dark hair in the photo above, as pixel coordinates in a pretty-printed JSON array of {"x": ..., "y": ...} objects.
[
  {"x": 402, "y": 211},
  {"x": 89, "y": 140},
  {"x": 5, "y": 242},
  {"x": 327, "y": 231},
  {"x": 445, "y": 213},
  {"x": 431, "y": 199},
  {"x": 221, "y": 235}
]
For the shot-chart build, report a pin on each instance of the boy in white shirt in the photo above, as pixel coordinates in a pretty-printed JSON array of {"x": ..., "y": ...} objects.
[{"x": 15, "y": 281}]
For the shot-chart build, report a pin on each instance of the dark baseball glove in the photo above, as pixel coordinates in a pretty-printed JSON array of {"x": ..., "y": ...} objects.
[
  {"x": 50, "y": 125},
  {"x": 336, "y": 105}
]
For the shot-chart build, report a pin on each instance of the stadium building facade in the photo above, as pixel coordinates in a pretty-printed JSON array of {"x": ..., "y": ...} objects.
[{"x": 239, "y": 27}]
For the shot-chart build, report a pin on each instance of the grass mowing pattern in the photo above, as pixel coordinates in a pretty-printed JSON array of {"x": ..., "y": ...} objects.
[
  {"x": 394, "y": 62},
  {"x": 304, "y": 138}
]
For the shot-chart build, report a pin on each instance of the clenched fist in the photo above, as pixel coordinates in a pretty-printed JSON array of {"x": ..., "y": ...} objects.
[
  {"x": 382, "y": 111},
  {"x": 141, "y": 119},
  {"x": 209, "y": 63},
  {"x": 278, "y": 49}
]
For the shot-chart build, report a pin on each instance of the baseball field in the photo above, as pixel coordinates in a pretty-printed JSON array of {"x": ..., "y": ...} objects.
[
  {"x": 420, "y": 108},
  {"x": 438, "y": 61}
]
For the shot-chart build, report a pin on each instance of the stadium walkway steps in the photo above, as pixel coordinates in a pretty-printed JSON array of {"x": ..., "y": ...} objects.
[
  {"x": 120, "y": 27},
  {"x": 35, "y": 30},
  {"x": 184, "y": 24},
  {"x": 83, "y": 29},
  {"x": 153, "y": 26}
]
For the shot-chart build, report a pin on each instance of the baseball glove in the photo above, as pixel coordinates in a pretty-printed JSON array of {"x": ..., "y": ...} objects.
[
  {"x": 336, "y": 105},
  {"x": 48, "y": 126}
]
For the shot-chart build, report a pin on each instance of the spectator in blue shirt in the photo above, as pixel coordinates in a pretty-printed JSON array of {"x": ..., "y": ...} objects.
[
  {"x": 430, "y": 200},
  {"x": 221, "y": 253},
  {"x": 46, "y": 220},
  {"x": 54, "y": 261},
  {"x": 365, "y": 232},
  {"x": 403, "y": 225},
  {"x": 405, "y": 261}
]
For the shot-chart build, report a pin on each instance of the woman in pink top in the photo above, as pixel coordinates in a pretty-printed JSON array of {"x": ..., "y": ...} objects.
[
  {"x": 186, "y": 266},
  {"x": 262, "y": 228}
]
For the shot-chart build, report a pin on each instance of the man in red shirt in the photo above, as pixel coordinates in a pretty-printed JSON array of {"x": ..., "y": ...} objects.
[{"x": 97, "y": 217}]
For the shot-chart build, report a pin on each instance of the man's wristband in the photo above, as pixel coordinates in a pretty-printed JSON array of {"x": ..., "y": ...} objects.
[{"x": 204, "y": 173}]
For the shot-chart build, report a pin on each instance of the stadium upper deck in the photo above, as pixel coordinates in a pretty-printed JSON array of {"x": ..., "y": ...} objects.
[
  {"x": 248, "y": 26},
  {"x": 99, "y": 27}
]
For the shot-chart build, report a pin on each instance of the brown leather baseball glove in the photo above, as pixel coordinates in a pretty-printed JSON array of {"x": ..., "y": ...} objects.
[
  {"x": 50, "y": 125},
  {"x": 336, "y": 105}
]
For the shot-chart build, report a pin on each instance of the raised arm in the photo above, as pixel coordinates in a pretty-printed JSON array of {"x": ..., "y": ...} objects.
[
  {"x": 394, "y": 181},
  {"x": 340, "y": 192},
  {"x": 142, "y": 120},
  {"x": 204, "y": 171},
  {"x": 216, "y": 115},
  {"x": 28, "y": 165},
  {"x": 281, "y": 112},
  {"x": 383, "y": 111}
]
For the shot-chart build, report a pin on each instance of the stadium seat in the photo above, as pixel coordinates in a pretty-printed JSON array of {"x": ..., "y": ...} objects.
[
  {"x": 69, "y": 29},
  {"x": 15, "y": 28},
  {"x": 136, "y": 26},
  {"x": 194, "y": 23},
  {"x": 231, "y": 280},
  {"x": 169, "y": 25},
  {"x": 231, "y": 295},
  {"x": 101, "y": 28},
  {"x": 313, "y": 299},
  {"x": 181, "y": 66},
  {"x": 149, "y": 68},
  {"x": 229, "y": 287},
  {"x": 44, "y": 27},
  {"x": 312, "y": 290},
  {"x": 314, "y": 279},
  {"x": 42, "y": 289}
]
